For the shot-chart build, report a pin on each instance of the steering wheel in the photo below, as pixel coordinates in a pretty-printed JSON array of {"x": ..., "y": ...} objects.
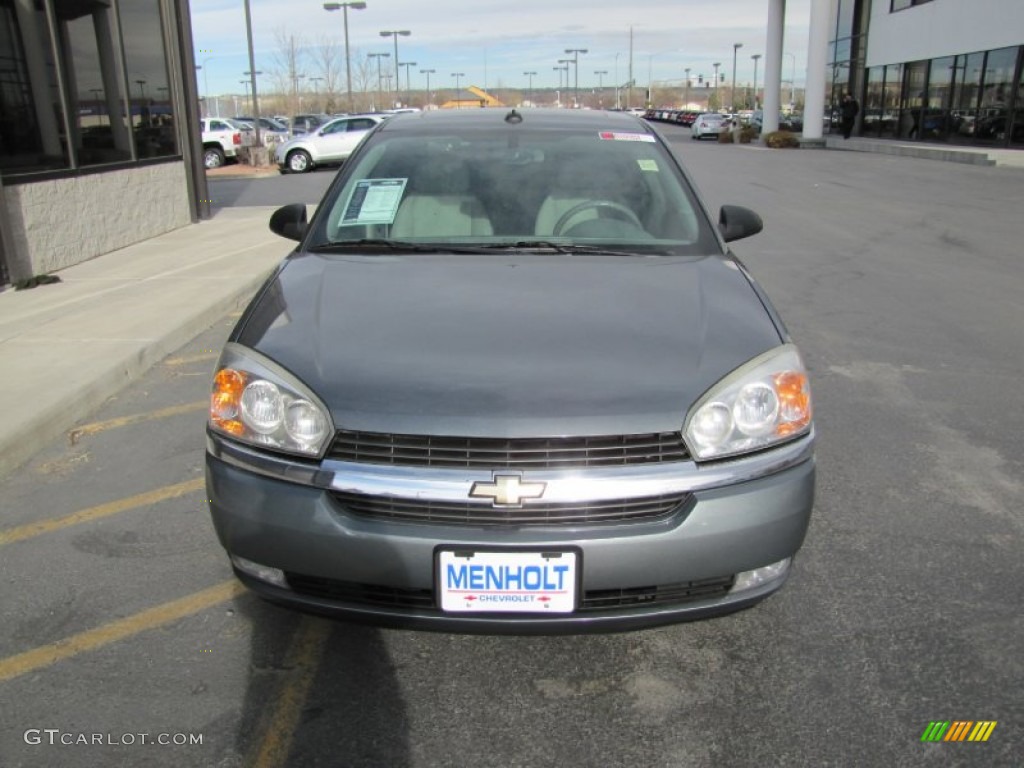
[{"x": 618, "y": 210}]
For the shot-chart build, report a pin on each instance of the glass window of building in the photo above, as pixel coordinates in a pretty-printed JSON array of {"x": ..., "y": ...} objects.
[
  {"x": 997, "y": 86},
  {"x": 966, "y": 92},
  {"x": 32, "y": 132},
  {"x": 915, "y": 75},
  {"x": 889, "y": 125},
  {"x": 874, "y": 102},
  {"x": 90, "y": 76},
  {"x": 152, "y": 119},
  {"x": 935, "y": 121},
  {"x": 82, "y": 83},
  {"x": 1017, "y": 129}
]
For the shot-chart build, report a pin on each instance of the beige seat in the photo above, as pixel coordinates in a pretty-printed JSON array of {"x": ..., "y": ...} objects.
[
  {"x": 575, "y": 184},
  {"x": 438, "y": 203}
]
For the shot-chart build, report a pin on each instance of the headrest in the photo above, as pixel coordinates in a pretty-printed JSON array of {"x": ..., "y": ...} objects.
[{"x": 441, "y": 176}]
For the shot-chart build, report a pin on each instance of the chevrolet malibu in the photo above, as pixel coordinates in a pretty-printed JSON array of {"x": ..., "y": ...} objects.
[{"x": 511, "y": 380}]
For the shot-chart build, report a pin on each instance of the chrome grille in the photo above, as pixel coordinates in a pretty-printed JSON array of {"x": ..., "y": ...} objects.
[
  {"x": 418, "y": 511},
  {"x": 514, "y": 453}
]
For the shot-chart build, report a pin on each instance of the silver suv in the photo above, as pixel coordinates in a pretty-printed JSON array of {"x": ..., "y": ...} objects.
[{"x": 331, "y": 143}]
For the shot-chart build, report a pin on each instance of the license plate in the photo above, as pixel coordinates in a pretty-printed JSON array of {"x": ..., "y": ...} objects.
[{"x": 507, "y": 582}]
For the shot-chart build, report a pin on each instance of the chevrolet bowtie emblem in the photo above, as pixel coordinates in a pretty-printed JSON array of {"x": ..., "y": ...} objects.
[{"x": 507, "y": 490}]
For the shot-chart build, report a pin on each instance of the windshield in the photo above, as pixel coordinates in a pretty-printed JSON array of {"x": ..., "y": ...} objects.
[{"x": 491, "y": 188}]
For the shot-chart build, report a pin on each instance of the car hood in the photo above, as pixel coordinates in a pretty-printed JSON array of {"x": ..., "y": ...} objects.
[{"x": 509, "y": 345}]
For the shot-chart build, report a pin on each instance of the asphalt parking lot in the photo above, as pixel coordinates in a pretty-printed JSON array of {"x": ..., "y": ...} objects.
[{"x": 899, "y": 278}]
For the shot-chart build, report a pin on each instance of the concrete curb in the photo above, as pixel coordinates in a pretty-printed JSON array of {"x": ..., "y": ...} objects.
[
  {"x": 50, "y": 423},
  {"x": 70, "y": 347}
]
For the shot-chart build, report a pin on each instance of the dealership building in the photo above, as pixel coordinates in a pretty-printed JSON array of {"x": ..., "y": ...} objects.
[
  {"x": 96, "y": 113},
  {"x": 949, "y": 71}
]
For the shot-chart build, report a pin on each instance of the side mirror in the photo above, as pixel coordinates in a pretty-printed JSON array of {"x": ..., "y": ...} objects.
[
  {"x": 289, "y": 221},
  {"x": 736, "y": 222}
]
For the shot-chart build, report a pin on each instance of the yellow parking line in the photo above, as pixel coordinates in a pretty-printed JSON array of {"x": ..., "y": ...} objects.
[
  {"x": 138, "y": 418},
  {"x": 303, "y": 657},
  {"x": 199, "y": 357},
  {"x": 44, "y": 656},
  {"x": 31, "y": 530}
]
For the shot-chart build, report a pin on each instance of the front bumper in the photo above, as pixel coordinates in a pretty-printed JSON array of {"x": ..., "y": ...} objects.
[{"x": 737, "y": 516}]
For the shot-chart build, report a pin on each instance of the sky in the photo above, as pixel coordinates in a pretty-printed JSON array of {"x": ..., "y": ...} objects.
[{"x": 493, "y": 42}]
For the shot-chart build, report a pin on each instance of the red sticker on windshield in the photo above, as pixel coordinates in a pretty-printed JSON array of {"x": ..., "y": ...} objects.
[{"x": 613, "y": 136}]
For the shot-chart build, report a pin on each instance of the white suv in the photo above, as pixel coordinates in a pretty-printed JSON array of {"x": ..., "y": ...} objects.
[
  {"x": 330, "y": 143},
  {"x": 222, "y": 138}
]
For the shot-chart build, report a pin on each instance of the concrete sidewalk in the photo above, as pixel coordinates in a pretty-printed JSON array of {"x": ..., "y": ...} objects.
[
  {"x": 949, "y": 153},
  {"x": 68, "y": 346}
]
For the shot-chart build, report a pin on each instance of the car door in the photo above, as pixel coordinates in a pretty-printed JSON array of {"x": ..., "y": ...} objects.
[
  {"x": 331, "y": 143},
  {"x": 355, "y": 130}
]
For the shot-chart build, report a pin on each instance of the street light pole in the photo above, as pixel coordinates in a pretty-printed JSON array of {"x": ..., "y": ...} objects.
[
  {"x": 755, "y": 57},
  {"x": 316, "y": 90},
  {"x": 617, "y": 105},
  {"x": 458, "y": 101},
  {"x": 792, "y": 80},
  {"x": 252, "y": 73},
  {"x": 348, "y": 64},
  {"x": 687, "y": 71},
  {"x": 716, "y": 65},
  {"x": 378, "y": 57},
  {"x": 600, "y": 85},
  {"x": 408, "y": 81},
  {"x": 732, "y": 95},
  {"x": 428, "y": 73},
  {"x": 395, "y": 33},
  {"x": 529, "y": 90},
  {"x": 576, "y": 72}
]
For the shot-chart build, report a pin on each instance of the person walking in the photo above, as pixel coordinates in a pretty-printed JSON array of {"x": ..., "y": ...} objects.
[{"x": 848, "y": 111}]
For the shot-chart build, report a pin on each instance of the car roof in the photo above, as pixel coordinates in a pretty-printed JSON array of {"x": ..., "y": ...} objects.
[{"x": 598, "y": 120}]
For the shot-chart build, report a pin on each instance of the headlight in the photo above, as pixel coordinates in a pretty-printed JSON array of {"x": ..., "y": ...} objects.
[
  {"x": 764, "y": 402},
  {"x": 258, "y": 402}
]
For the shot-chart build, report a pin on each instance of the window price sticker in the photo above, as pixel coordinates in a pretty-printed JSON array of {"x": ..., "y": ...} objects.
[{"x": 374, "y": 201}]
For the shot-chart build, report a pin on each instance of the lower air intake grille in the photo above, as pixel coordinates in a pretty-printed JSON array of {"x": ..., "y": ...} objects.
[
  {"x": 364, "y": 594},
  {"x": 593, "y": 600},
  {"x": 686, "y": 592}
]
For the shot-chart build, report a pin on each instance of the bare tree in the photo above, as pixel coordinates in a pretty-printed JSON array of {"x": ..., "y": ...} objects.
[
  {"x": 364, "y": 83},
  {"x": 329, "y": 65},
  {"x": 288, "y": 67}
]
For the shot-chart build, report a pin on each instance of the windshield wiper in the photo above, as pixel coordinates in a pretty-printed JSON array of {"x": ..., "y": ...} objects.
[
  {"x": 547, "y": 245},
  {"x": 369, "y": 243},
  {"x": 399, "y": 246},
  {"x": 402, "y": 246}
]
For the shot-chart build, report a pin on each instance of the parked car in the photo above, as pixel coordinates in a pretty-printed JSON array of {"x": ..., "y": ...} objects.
[
  {"x": 511, "y": 379},
  {"x": 302, "y": 124},
  {"x": 793, "y": 122},
  {"x": 222, "y": 139},
  {"x": 708, "y": 124},
  {"x": 331, "y": 143},
  {"x": 271, "y": 131}
]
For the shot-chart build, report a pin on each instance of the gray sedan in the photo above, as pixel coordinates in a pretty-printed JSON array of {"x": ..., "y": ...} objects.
[{"x": 511, "y": 379}]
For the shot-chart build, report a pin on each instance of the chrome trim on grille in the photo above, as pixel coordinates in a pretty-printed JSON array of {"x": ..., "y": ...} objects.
[{"x": 454, "y": 485}]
